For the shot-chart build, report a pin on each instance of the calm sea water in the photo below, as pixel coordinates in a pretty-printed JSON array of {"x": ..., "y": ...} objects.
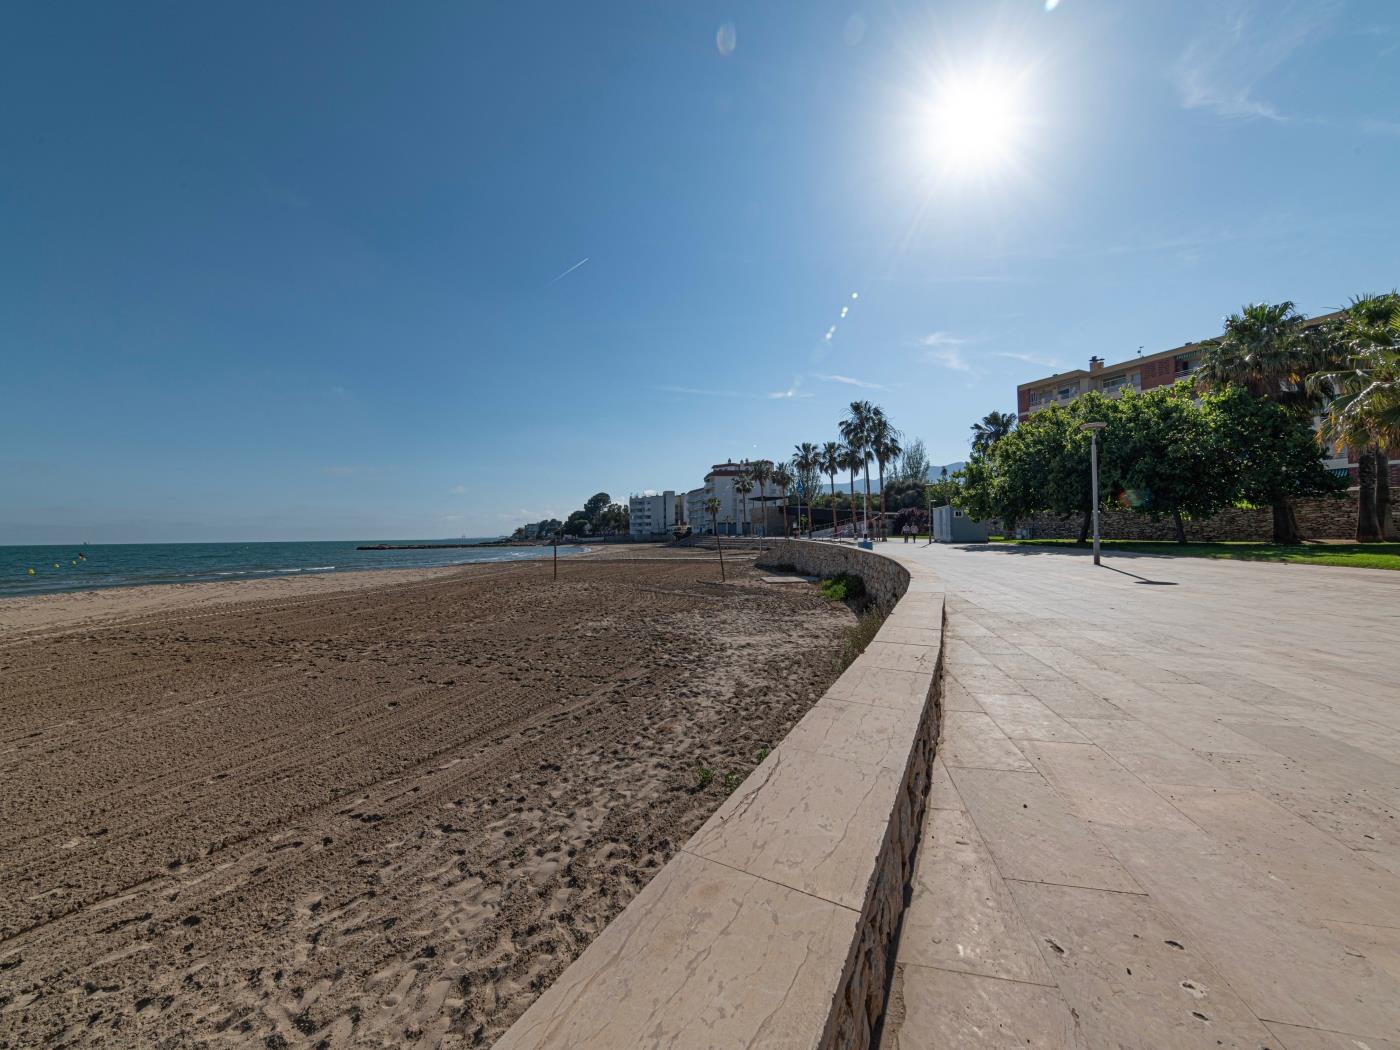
[{"x": 128, "y": 564}]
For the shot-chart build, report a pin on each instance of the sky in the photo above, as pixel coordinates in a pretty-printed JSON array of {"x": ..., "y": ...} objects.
[{"x": 366, "y": 270}]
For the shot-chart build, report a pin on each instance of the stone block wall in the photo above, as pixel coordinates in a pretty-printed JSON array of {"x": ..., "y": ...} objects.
[
  {"x": 763, "y": 930},
  {"x": 1318, "y": 519},
  {"x": 884, "y": 578}
]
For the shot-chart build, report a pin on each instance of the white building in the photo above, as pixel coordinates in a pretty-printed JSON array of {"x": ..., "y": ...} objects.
[
  {"x": 653, "y": 514},
  {"x": 737, "y": 515},
  {"x": 696, "y": 516}
]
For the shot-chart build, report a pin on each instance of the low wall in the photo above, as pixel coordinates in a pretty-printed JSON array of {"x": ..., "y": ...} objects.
[
  {"x": 774, "y": 925},
  {"x": 885, "y": 579},
  {"x": 1318, "y": 519}
]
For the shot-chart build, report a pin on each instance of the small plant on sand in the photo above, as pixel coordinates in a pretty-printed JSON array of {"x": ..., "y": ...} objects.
[
  {"x": 844, "y": 587},
  {"x": 857, "y": 638},
  {"x": 764, "y": 752},
  {"x": 703, "y": 776},
  {"x": 731, "y": 781}
]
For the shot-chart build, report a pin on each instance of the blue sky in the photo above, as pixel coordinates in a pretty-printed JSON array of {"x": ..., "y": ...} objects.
[{"x": 279, "y": 271}]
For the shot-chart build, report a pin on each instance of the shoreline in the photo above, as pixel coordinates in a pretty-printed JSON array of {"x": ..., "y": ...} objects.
[{"x": 55, "y": 609}]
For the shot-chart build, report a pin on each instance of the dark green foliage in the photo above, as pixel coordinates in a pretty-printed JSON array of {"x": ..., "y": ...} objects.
[{"x": 842, "y": 588}]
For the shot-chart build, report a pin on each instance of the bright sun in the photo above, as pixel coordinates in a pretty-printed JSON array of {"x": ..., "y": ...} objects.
[{"x": 975, "y": 121}]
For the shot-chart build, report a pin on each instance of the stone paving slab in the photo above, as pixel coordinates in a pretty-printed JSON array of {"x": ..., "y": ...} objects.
[{"x": 1185, "y": 799}]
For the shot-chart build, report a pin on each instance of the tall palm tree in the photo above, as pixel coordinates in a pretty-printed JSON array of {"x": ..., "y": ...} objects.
[
  {"x": 885, "y": 446},
  {"x": 804, "y": 461},
  {"x": 743, "y": 485},
  {"x": 712, "y": 506},
  {"x": 761, "y": 471},
  {"x": 856, "y": 432},
  {"x": 829, "y": 463},
  {"x": 990, "y": 429},
  {"x": 1266, "y": 350},
  {"x": 782, "y": 481},
  {"x": 851, "y": 459},
  {"x": 1363, "y": 409}
]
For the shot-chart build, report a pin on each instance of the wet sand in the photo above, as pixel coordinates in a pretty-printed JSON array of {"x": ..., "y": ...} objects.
[{"x": 379, "y": 809}]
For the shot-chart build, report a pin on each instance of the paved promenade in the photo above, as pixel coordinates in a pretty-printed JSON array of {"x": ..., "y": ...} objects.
[{"x": 1166, "y": 810}]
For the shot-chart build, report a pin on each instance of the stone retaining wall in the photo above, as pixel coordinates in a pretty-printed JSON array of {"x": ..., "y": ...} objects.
[
  {"x": 1318, "y": 519},
  {"x": 774, "y": 925},
  {"x": 885, "y": 579}
]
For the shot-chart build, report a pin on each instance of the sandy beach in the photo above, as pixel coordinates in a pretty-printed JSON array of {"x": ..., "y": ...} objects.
[{"x": 367, "y": 809}]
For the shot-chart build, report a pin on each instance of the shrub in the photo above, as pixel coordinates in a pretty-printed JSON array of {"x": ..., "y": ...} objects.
[{"x": 842, "y": 588}]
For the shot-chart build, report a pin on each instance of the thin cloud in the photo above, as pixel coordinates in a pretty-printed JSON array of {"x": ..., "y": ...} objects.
[
  {"x": 943, "y": 339},
  {"x": 1030, "y": 359},
  {"x": 1221, "y": 69},
  {"x": 570, "y": 270},
  {"x": 950, "y": 359},
  {"x": 850, "y": 381},
  {"x": 457, "y": 490},
  {"x": 791, "y": 392}
]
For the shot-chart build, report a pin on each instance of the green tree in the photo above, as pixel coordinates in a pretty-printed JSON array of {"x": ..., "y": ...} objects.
[
  {"x": 1166, "y": 452},
  {"x": 982, "y": 492},
  {"x": 761, "y": 471},
  {"x": 578, "y": 524},
  {"x": 1043, "y": 465},
  {"x": 1275, "y": 459},
  {"x": 782, "y": 481},
  {"x": 852, "y": 459},
  {"x": 914, "y": 464},
  {"x": 743, "y": 485},
  {"x": 1268, "y": 351},
  {"x": 1363, "y": 410},
  {"x": 829, "y": 463},
  {"x": 990, "y": 429},
  {"x": 593, "y": 509},
  {"x": 856, "y": 432},
  {"x": 712, "y": 506},
  {"x": 885, "y": 447},
  {"x": 945, "y": 492},
  {"x": 804, "y": 462}
]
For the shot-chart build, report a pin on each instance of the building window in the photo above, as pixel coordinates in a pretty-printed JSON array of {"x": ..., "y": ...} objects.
[{"x": 1183, "y": 364}]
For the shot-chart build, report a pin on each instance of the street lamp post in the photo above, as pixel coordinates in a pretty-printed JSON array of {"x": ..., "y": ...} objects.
[{"x": 1093, "y": 429}]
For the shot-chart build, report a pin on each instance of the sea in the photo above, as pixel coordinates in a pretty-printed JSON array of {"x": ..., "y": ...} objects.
[{"x": 87, "y": 566}]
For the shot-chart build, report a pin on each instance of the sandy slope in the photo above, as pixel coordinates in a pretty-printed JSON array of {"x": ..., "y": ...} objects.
[{"x": 371, "y": 815}]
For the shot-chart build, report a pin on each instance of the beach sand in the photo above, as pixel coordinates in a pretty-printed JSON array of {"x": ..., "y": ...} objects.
[{"x": 365, "y": 810}]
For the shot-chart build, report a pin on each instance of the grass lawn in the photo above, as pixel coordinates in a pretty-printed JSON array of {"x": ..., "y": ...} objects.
[{"x": 1354, "y": 555}]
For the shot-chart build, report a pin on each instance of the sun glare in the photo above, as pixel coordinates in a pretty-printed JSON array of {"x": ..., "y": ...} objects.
[{"x": 975, "y": 121}]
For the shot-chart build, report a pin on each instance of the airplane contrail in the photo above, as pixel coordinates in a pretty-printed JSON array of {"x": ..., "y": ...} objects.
[{"x": 570, "y": 270}]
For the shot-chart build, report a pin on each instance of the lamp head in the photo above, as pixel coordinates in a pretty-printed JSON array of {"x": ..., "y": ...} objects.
[{"x": 1094, "y": 426}]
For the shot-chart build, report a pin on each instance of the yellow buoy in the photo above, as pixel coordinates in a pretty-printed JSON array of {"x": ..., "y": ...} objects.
[
  {"x": 55, "y": 565},
  {"x": 31, "y": 572}
]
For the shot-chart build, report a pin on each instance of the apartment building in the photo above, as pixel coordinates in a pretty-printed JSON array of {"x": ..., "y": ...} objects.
[
  {"x": 653, "y": 514},
  {"x": 737, "y": 515},
  {"x": 1142, "y": 372}
]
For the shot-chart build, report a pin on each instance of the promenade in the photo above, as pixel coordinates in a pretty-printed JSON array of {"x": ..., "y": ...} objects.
[{"x": 1164, "y": 810}]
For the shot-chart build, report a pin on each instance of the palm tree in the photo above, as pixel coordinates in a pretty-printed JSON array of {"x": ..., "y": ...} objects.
[
  {"x": 1266, "y": 350},
  {"x": 743, "y": 485},
  {"x": 884, "y": 444},
  {"x": 829, "y": 463},
  {"x": 990, "y": 429},
  {"x": 851, "y": 459},
  {"x": 856, "y": 432},
  {"x": 712, "y": 506},
  {"x": 804, "y": 461},
  {"x": 761, "y": 471},
  {"x": 1364, "y": 405},
  {"x": 782, "y": 481}
]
